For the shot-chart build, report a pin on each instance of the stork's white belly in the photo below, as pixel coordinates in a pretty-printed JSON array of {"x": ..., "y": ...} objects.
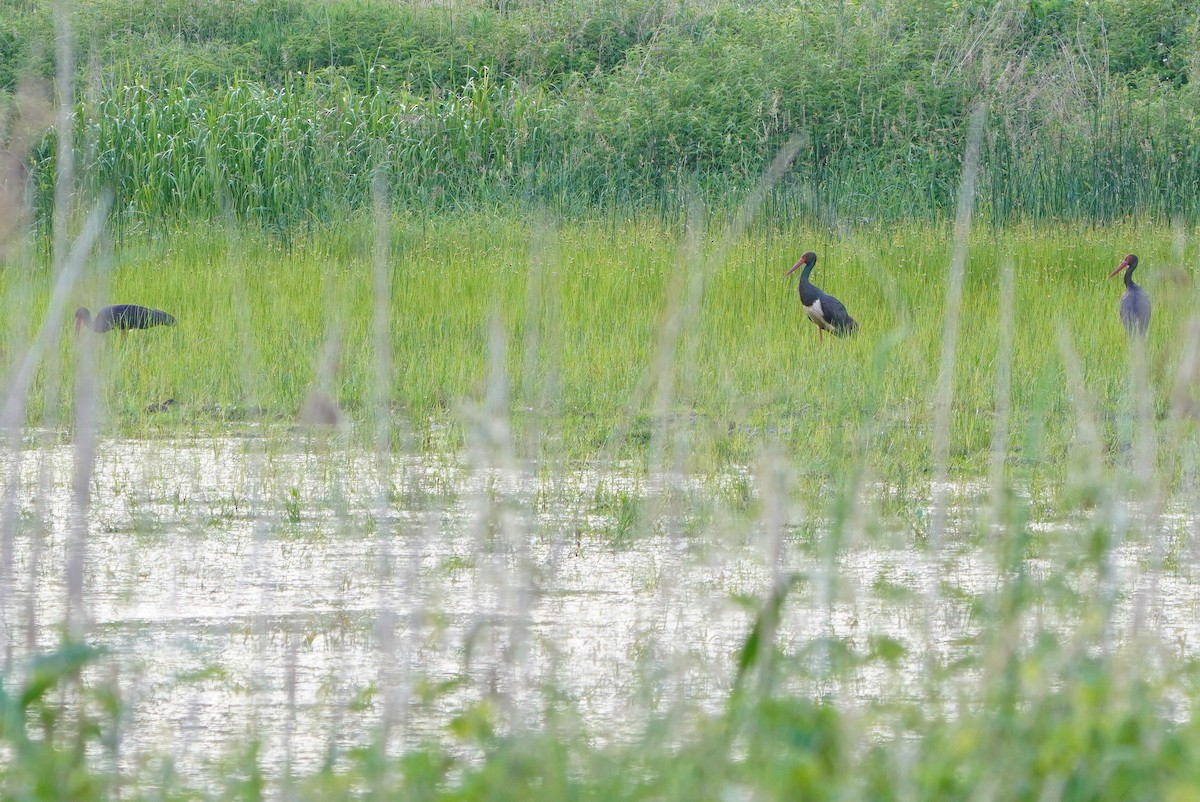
[{"x": 815, "y": 314}]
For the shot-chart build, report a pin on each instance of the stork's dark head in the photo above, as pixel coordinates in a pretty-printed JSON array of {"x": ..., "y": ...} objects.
[
  {"x": 1129, "y": 261},
  {"x": 82, "y": 318},
  {"x": 809, "y": 258}
]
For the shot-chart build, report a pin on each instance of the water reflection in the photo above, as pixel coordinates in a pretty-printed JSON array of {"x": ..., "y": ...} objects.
[{"x": 289, "y": 589}]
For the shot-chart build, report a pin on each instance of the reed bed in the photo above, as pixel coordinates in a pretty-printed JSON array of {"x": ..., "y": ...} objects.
[
  {"x": 284, "y": 114},
  {"x": 308, "y": 151}
]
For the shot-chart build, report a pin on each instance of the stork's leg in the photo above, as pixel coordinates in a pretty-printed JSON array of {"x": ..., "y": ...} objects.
[{"x": 820, "y": 335}]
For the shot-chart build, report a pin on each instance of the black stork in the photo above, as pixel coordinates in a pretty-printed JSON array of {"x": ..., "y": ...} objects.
[
  {"x": 823, "y": 309},
  {"x": 1135, "y": 303},
  {"x": 121, "y": 316}
]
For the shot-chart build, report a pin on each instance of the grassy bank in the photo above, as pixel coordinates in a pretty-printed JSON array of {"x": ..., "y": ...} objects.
[{"x": 615, "y": 329}]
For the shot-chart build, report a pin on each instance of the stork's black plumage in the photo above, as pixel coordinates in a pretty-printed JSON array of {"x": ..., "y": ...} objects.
[
  {"x": 121, "y": 316},
  {"x": 823, "y": 309},
  {"x": 1135, "y": 303}
]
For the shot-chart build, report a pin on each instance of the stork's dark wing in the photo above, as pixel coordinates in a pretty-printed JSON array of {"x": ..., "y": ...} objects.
[
  {"x": 159, "y": 318},
  {"x": 132, "y": 316},
  {"x": 837, "y": 316}
]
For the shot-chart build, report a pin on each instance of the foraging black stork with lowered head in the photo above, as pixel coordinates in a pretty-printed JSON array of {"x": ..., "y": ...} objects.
[
  {"x": 823, "y": 309},
  {"x": 1135, "y": 303},
  {"x": 121, "y": 316}
]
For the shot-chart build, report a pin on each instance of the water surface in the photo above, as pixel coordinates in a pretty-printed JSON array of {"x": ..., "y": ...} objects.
[{"x": 301, "y": 590}]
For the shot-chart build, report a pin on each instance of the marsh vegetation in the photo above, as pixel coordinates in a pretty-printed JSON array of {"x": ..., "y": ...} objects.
[{"x": 492, "y": 454}]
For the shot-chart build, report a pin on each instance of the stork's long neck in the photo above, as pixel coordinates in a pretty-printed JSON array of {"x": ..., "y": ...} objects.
[
  {"x": 1129, "y": 277},
  {"x": 809, "y": 292}
]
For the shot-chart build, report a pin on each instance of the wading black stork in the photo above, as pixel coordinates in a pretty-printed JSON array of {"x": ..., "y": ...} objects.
[
  {"x": 823, "y": 309},
  {"x": 1135, "y": 303},
  {"x": 121, "y": 316}
]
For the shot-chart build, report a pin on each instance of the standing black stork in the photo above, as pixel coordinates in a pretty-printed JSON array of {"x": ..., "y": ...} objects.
[
  {"x": 823, "y": 309},
  {"x": 121, "y": 316},
  {"x": 1135, "y": 303}
]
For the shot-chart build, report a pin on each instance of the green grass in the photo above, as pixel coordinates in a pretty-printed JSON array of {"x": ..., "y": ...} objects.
[{"x": 583, "y": 310}]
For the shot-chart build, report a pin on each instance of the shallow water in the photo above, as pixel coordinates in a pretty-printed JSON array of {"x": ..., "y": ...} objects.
[{"x": 298, "y": 589}]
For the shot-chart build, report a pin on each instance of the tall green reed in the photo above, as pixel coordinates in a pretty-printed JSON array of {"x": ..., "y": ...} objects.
[{"x": 304, "y": 151}]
